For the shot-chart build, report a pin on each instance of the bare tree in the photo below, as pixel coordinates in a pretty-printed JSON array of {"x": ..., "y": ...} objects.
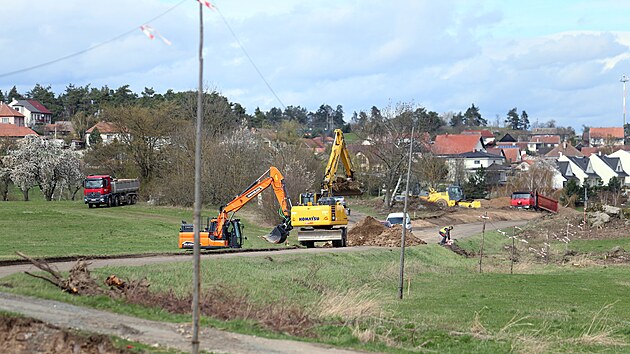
[
  {"x": 430, "y": 170},
  {"x": 387, "y": 135}
]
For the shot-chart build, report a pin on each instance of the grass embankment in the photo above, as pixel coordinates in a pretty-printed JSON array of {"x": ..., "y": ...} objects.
[
  {"x": 448, "y": 305},
  {"x": 67, "y": 228}
]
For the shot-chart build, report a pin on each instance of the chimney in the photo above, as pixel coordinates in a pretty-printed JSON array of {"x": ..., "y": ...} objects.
[{"x": 564, "y": 144}]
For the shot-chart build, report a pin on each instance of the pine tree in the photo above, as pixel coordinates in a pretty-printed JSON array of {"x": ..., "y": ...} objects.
[
  {"x": 513, "y": 120},
  {"x": 524, "y": 121}
]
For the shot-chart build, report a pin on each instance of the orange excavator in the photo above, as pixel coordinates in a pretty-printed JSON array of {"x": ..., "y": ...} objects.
[{"x": 227, "y": 232}]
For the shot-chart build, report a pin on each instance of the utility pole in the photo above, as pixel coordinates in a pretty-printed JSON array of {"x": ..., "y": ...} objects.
[
  {"x": 483, "y": 236},
  {"x": 404, "y": 225},
  {"x": 624, "y": 79},
  {"x": 197, "y": 211}
]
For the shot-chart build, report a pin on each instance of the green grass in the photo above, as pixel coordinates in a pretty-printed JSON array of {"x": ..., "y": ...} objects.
[
  {"x": 66, "y": 228},
  {"x": 445, "y": 303},
  {"x": 599, "y": 246}
]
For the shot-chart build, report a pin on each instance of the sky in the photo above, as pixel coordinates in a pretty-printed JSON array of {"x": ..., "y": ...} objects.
[{"x": 559, "y": 60}]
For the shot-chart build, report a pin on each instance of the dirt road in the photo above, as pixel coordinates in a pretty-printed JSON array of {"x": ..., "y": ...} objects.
[{"x": 164, "y": 335}]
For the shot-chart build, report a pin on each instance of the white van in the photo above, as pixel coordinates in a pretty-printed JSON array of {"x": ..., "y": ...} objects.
[{"x": 397, "y": 218}]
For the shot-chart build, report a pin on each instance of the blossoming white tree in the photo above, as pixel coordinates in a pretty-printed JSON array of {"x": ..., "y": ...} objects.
[{"x": 40, "y": 162}]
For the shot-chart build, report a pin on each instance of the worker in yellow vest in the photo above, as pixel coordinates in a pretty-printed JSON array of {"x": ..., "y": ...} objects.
[{"x": 445, "y": 233}]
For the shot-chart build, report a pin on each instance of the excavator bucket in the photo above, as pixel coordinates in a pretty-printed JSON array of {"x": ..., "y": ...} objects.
[
  {"x": 278, "y": 235},
  {"x": 343, "y": 187}
]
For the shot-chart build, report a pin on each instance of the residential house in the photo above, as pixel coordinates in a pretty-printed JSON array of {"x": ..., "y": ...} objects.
[
  {"x": 9, "y": 115},
  {"x": 539, "y": 143},
  {"x": 60, "y": 128},
  {"x": 605, "y": 136},
  {"x": 453, "y": 144},
  {"x": 607, "y": 168},
  {"x": 523, "y": 166},
  {"x": 13, "y": 131},
  {"x": 467, "y": 163},
  {"x": 565, "y": 149},
  {"x": 486, "y": 135},
  {"x": 512, "y": 153},
  {"x": 507, "y": 138},
  {"x": 564, "y": 167},
  {"x": 498, "y": 174},
  {"x": 564, "y": 133},
  {"x": 624, "y": 158},
  {"x": 34, "y": 112},
  {"x": 582, "y": 168},
  {"x": 107, "y": 130}
]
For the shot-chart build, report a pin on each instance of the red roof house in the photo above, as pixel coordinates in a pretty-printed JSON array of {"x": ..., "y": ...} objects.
[
  {"x": 14, "y": 131},
  {"x": 452, "y": 144},
  {"x": 10, "y": 115},
  {"x": 605, "y": 136}
]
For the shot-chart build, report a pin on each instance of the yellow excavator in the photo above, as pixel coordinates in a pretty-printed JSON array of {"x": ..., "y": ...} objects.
[
  {"x": 322, "y": 217},
  {"x": 225, "y": 231},
  {"x": 451, "y": 196}
]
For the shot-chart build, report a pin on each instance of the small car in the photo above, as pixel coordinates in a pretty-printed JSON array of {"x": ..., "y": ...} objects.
[{"x": 397, "y": 219}]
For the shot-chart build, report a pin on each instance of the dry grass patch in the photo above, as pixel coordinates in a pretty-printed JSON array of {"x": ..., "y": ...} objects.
[{"x": 350, "y": 305}]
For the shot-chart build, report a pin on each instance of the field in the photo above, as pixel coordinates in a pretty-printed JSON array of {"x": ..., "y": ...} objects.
[
  {"x": 65, "y": 228},
  {"x": 350, "y": 300}
]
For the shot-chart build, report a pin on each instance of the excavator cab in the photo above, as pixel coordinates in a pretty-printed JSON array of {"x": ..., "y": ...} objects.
[{"x": 455, "y": 193}]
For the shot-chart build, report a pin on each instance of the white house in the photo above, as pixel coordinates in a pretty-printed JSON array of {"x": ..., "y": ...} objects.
[
  {"x": 624, "y": 158},
  {"x": 582, "y": 169},
  {"x": 605, "y": 136},
  {"x": 107, "y": 131},
  {"x": 33, "y": 111},
  {"x": 607, "y": 168}
]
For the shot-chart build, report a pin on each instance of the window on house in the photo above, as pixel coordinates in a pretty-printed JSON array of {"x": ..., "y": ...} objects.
[
  {"x": 5, "y": 120},
  {"x": 477, "y": 162}
]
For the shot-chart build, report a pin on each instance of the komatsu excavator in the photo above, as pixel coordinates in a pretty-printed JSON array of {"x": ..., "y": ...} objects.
[
  {"x": 226, "y": 232},
  {"x": 319, "y": 217}
]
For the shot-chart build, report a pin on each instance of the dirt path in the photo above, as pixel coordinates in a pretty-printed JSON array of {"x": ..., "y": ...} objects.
[
  {"x": 165, "y": 335},
  {"x": 461, "y": 231}
]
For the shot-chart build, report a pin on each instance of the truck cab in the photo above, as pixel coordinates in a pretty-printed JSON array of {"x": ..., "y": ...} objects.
[
  {"x": 97, "y": 189},
  {"x": 522, "y": 200}
]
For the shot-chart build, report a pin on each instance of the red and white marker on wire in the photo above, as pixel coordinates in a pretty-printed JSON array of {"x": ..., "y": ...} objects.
[{"x": 151, "y": 32}]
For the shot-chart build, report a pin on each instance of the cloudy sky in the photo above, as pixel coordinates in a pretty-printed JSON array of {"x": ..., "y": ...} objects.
[{"x": 560, "y": 60}]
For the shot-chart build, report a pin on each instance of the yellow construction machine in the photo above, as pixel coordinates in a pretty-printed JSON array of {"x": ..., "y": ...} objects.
[
  {"x": 323, "y": 217},
  {"x": 451, "y": 196}
]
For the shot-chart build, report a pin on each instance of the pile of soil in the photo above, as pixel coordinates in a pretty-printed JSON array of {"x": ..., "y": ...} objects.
[
  {"x": 370, "y": 232},
  {"x": 26, "y": 335},
  {"x": 496, "y": 203}
]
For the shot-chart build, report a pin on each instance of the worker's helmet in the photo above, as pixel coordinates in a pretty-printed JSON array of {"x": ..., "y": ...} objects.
[{"x": 450, "y": 227}]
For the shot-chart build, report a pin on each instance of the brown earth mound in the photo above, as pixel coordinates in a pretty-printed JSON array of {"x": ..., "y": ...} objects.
[
  {"x": 25, "y": 335},
  {"x": 496, "y": 203},
  {"x": 370, "y": 232}
]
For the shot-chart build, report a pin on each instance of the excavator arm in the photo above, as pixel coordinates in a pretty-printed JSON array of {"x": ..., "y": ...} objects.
[
  {"x": 332, "y": 185},
  {"x": 273, "y": 178}
]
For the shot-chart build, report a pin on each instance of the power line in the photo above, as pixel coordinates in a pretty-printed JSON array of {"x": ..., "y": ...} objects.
[
  {"x": 250, "y": 59},
  {"x": 90, "y": 48}
]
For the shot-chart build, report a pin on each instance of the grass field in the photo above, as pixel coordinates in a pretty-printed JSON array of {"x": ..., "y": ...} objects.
[
  {"x": 67, "y": 228},
  {"x": 448, "y": 305}
]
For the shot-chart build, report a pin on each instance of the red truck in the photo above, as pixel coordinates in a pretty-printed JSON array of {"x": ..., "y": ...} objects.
[
  {"x": 105, "y": 190},
  {"x": 533, "y": 200}
]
